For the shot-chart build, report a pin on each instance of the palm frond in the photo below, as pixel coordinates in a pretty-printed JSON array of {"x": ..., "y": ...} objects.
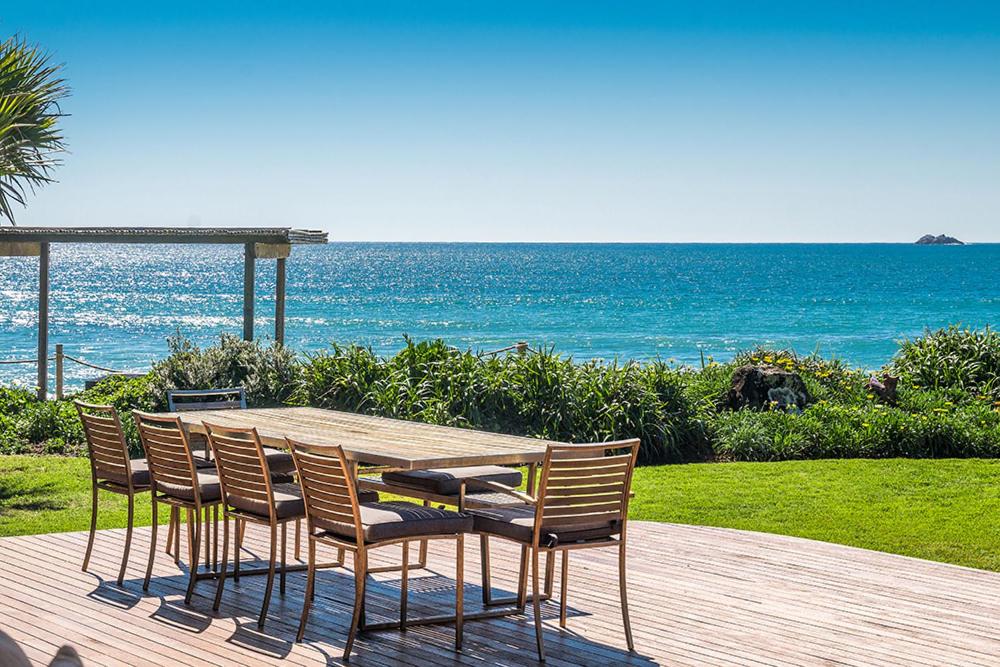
[{"x": 30, "y": 137}]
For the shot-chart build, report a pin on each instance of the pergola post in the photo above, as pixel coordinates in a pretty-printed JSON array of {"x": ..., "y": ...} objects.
[
  {"x": 43, "y": 321},
  {"x": 249, "y": 257},
  {"x": 279, "y": 301}
]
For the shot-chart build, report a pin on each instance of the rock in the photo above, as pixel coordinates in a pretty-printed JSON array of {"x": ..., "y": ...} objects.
[
  {"x": 884, "y": 390},
  {"x": 767, "y": 387},
  {"x": 940, "y": 239}
]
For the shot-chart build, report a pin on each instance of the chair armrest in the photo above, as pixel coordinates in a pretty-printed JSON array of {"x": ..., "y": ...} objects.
[{"x": 500, "y": 488}]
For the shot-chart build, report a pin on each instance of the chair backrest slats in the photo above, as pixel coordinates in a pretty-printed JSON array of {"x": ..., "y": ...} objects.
[
  {"x": 328, "y": 489},
  {"x": 109, "y": 457},
  {"x": 243, "y": 469},
  {"x": 585, "y": 486},
  {"x": 185, "y": 400},
  {"x": 167, "y": 452}
]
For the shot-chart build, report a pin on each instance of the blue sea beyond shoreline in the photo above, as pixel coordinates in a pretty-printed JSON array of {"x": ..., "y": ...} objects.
[{"x": 116, "y": 305}]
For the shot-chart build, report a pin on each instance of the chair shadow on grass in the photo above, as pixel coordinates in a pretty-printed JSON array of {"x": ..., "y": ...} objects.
[{"x": 37, "y": 498}]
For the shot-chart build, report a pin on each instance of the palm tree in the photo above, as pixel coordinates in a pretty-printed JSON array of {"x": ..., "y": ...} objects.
[{"x": 30, "y": 138}]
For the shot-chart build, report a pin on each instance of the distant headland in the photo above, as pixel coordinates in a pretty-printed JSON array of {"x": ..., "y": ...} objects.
[{"x": 940, "y": 239}]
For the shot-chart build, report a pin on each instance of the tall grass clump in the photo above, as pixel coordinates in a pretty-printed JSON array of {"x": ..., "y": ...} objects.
[{"x": 952, "y": 358}]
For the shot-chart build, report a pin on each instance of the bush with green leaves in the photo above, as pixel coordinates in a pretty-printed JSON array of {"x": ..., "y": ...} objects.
[
  {"x": 541, "y": 394},
  {"x": 269, "y": 374},
  {"x": 679, "y": 414},
  {"x": 53, "y": 427},
  {"x": 952, "y": 358}
]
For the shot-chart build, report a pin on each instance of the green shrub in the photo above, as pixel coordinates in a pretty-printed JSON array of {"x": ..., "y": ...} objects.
[
  {"x": 828, "y": 430},
  {"x": 952, "y": 358},
  {"x": 268, "y": 374},
  {"x": 947, "y": 404},
  {"x": 540, "y": 394}
]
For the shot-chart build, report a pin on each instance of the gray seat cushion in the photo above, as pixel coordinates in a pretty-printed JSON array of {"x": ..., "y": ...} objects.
[
  {"x": 211, "y": 490},
  {"x": 518, "y": 523},
  {"x": 287, "y": 502},
  {"x": 388, "y": 521},
  {"x": 279, "y": 462},
  {"x": 366, "y": 496},
  {"x": 200, "y": 462},
  {"x": 447, "y": 481},
  {"x": 140, "y": 474}
]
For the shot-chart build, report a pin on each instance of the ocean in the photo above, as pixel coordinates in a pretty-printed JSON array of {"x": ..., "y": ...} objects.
[{"x": 116, "y": 305}]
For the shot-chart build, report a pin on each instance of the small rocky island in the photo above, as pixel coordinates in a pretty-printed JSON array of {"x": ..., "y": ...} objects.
[{"x": 940, "y": 239}]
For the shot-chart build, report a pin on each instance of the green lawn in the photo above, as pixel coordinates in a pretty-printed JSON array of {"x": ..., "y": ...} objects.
[{"x": 944, "y": 509}]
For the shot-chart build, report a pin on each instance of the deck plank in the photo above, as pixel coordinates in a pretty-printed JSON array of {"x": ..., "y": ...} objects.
[{"x": 698, "y": 596}]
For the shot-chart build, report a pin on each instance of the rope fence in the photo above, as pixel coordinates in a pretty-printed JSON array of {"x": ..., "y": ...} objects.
[{"x": 60, "y": 357}]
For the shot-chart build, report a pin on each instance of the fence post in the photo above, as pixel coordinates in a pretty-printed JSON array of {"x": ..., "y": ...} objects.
[{"x": 59, "y": 371}]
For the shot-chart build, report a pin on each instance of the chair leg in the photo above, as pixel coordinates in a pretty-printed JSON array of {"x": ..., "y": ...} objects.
[
  {"x": 170, "y": 530},
  {"x": 215, "y": 538},
  {"x": 484, "y": 560},
  {"x": 360, "y": 576},
  {"x": 239, "y": 546},
  {"x": 550, "y": 571},
  {"x": 422, "y": 555},
  {"x": 177, "y": 535},
  {"x": 192, "y": 522},
  {"x": 270, "y": 577},
  {"x": 284, "y": 535},
  {"x": 536, "y": 603},
  {"x": 403, "y": 585},
  {"x": 624, "y": 594},
  {"x": 152, "y": 548},
  {"x": 128, "y": 539},
  {"x": 225, "y": 558},
  {"x": 298, "y": 539},
  {"x": 522, "y": 581},
  {"x": 207, "y": 536},
  {"x": 310, "y": 590},
  {"x": 195, "y": 554},
  {"x": 93, "y": 527},
  {"x": 459, "y": 590},
  {"x": 563, "y": 579}
]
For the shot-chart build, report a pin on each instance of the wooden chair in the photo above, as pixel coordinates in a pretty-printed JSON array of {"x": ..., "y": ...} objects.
[
  {"x": 111, "y": 469},
  {"x": 446, "y": 485},
  {"x": 335, "y": 517},
  {"x": 249, "y": 494},
  {"x": 181, "y": 400},
  {"x": 230, "y": 398},
  {"x": 582, "y": 503},
  {"x": 177, "y": 482}
]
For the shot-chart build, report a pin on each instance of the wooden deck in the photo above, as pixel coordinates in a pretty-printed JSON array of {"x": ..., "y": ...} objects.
[{"x": 699, "y": 596}]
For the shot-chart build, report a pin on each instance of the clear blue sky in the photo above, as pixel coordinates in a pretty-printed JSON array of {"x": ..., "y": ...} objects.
[{"x": 539, "y": 121}]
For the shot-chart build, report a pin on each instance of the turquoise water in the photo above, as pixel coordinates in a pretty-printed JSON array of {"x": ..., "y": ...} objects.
[{"x": 115, "y": 305}]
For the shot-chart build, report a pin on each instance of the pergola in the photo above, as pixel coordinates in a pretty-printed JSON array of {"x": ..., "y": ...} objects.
[{"x": 258, "y": 243}]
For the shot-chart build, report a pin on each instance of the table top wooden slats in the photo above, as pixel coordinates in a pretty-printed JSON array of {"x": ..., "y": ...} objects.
[{"x": 377, "y": 440}]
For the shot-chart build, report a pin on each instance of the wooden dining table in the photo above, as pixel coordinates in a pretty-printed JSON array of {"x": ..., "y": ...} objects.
[{"x": 376, "y": 441}]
